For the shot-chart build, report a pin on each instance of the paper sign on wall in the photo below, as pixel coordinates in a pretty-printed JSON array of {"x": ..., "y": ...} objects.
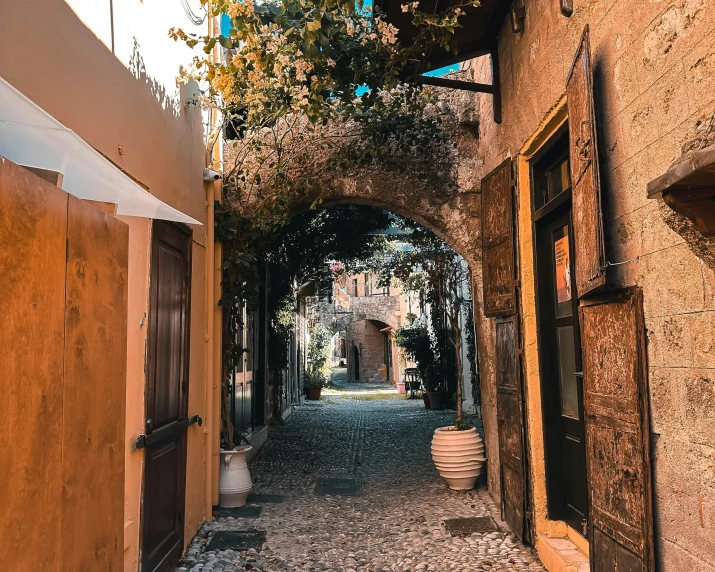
[{"x": 563, "y": 270}]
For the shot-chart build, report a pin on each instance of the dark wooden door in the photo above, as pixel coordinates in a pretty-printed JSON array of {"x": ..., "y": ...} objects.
[
  {"x": 560, "y": 363},
  {"x": 510, "y": 419},
  {"x": 617, "y": 433},
  {"x": 166, "y": 397}
]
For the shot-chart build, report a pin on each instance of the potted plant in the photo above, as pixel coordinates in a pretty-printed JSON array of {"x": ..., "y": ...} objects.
[
  {"x": 234, "y": 478},
  {"x": 457, "y": 450},
  {"x": 435, "y": 398},
  {"x": 315, "y": 381}
]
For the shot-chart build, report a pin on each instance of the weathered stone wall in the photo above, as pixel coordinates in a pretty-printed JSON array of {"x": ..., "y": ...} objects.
[
  {"x": 654, "y": 68},
  {"x": 370, "y": 341}
]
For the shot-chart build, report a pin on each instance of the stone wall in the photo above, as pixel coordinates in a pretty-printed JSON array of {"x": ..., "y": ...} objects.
[
  {"x": 366, "y": 336},
  {"x": 654, "y": 82}
]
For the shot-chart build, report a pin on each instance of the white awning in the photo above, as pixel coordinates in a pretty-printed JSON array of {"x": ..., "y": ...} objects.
[{"x": 31, "y": 137}]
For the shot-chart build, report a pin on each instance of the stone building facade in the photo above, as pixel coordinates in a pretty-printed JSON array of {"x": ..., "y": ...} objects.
[{"x": 653, "y": 68}]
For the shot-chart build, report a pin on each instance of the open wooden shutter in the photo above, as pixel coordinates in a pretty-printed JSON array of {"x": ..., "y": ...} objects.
[
  {"x": 615, "y": 388},
  {"x": 590, "y": 252},
  {"x": 498, "y": 242},
  {"x": 510, "y": 419}
]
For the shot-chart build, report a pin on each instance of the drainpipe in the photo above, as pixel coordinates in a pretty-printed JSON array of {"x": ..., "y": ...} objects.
[
  {"x": 209, "y": 391},
  {"x": 213, "y": 313}
]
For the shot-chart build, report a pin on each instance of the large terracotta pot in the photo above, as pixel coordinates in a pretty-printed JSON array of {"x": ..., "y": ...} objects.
[
  {"x": 234, "y": 478},
  {"x": 458, "y": 456},
  {"x": 313, "y": 393}
]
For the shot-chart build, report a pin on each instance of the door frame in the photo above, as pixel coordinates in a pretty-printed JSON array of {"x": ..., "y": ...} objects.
[
  {"x": 543, "y": 526},
  {"x": 181, "y": 493}
]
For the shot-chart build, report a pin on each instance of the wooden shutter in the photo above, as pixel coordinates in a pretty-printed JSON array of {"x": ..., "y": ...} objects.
[
  {"x": 510, "y": 419},
  {"x": 498, "y": 242},
  {"x": 590, "y": 252},
  {"x": 615, "y": 387}
]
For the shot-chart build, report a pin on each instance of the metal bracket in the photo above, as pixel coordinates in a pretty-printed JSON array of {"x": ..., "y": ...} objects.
[
  {"x": 166, "y": 433},
  {"x": 494, "y": 88}
]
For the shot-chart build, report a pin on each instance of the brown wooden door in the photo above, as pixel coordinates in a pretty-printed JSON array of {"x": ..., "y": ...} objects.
[
  {"x": 166, "y": 397},
  {"x": 63, "y": 334},
  {"x": 510, "y": 419},
  {"x": 617, "y": 433},
  {"x": 589, "y": 243}
]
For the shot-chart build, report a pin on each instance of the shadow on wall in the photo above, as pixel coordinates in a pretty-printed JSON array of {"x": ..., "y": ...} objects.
[{"x": 137, "y": 67}]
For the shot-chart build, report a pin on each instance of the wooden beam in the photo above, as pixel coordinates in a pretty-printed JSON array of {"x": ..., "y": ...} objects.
[{"x": 457, "y": 84}]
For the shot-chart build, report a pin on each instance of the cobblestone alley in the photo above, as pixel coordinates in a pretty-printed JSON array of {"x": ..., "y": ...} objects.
[{"x": 397, "y": 522}]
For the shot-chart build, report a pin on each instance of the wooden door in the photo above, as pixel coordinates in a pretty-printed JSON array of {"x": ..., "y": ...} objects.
[
  {"x": 617, "y": 433},
  {"x": 510, "y": 419},
  {"x": 589, "y": 242},
  {"x": 560, "y": 367},
  {"x": 166, "y": 397},
  {"x": 63, "y": 334}
]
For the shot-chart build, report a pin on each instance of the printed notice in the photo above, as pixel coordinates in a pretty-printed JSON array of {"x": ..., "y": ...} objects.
[{"x": 563, "y": 270}]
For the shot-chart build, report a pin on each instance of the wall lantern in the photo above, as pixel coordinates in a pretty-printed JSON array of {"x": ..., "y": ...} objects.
[
  {"x": 688, "y": 188},
  {"x": 518, "y": 15},
  {"x": 566, "y": 7}
]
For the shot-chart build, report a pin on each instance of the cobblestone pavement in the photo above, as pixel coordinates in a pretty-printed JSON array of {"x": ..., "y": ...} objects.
[{"x": 397, "y": 523}]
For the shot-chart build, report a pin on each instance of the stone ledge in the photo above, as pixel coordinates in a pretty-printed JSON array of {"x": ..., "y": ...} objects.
[{"x": 561, "y": 555}]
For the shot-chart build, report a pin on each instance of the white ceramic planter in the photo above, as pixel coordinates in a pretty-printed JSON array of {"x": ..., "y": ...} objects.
[
  {"x": 458, "y": 456},
  {"x": 234, "y": 480}
]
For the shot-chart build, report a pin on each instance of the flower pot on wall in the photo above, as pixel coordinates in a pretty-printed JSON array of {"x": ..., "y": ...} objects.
[
  {"x": 436, "y": 399},
  {"x": 313, "y": 393},
  {"x": 458, "y": 456},
  {"x": 234, "y": 478}
]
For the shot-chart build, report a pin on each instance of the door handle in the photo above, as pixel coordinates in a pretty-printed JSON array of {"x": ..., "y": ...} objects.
[{"x": 166, "y": 433}]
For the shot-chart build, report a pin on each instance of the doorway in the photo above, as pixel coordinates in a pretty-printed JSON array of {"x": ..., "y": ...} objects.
[
  {"x": 356, "y": 362},
  {"x": 166, "y": 397},
  {"x": 559, "y": 337}
]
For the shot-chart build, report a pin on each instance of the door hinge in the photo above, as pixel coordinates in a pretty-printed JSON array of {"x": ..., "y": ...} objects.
[{"x": 584, "y": 527}]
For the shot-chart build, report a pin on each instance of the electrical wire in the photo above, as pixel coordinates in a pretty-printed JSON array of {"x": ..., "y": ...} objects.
[{"x": 196, "y": 20}]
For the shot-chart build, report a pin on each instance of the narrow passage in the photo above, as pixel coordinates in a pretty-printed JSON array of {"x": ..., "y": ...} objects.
[{"x": 397, "y": 523}]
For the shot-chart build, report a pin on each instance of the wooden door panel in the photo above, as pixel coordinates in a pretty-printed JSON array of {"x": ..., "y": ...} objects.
[
  {"x": 498, "y": 242},
  {"x": 510, "y": 420},
  {"x": 617, "y": 432},
  {"x": 167, "y": 372},
  {"x": 167, "y": 391},
  {"x": 33, "y": 226},
  {"x": 590, "y": 250},
  {"x": 94, "y": 389},
  {"x": 161, "y": 478}
]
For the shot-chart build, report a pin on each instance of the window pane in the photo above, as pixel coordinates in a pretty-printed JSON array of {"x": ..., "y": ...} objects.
[{"x": 567, "y": 370}]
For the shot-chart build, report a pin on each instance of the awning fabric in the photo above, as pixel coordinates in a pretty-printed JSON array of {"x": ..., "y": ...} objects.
[{"x": 32, "y": 137}]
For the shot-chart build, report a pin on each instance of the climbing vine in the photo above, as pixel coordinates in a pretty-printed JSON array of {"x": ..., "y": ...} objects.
[{"x": 312, "y": 90}]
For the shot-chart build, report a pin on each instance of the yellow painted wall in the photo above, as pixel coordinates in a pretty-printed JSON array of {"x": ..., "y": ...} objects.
[{"x": 56, "y": 60}]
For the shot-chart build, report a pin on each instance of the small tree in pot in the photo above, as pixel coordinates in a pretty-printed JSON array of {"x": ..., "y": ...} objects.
[{"x": 432, "y": 267}]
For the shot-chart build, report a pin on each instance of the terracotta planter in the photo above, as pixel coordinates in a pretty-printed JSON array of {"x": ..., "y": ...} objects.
[
  {"x": 458, "y": 456},
  {"x": 436, "y": 399},
  {"x": 401, "y": 388},
  {"x": 313, "y": 393},
  {"x": 234, "y": 478},
  {"x": 425, "y": 398}
]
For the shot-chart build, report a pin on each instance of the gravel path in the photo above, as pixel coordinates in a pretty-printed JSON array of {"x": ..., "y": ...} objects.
[{"x": 397, "y": 523}]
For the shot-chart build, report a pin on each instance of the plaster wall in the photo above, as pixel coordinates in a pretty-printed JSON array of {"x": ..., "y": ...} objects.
[
  {"x": 126, "y": 105},
  {"x": 654, "y": 82}
]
